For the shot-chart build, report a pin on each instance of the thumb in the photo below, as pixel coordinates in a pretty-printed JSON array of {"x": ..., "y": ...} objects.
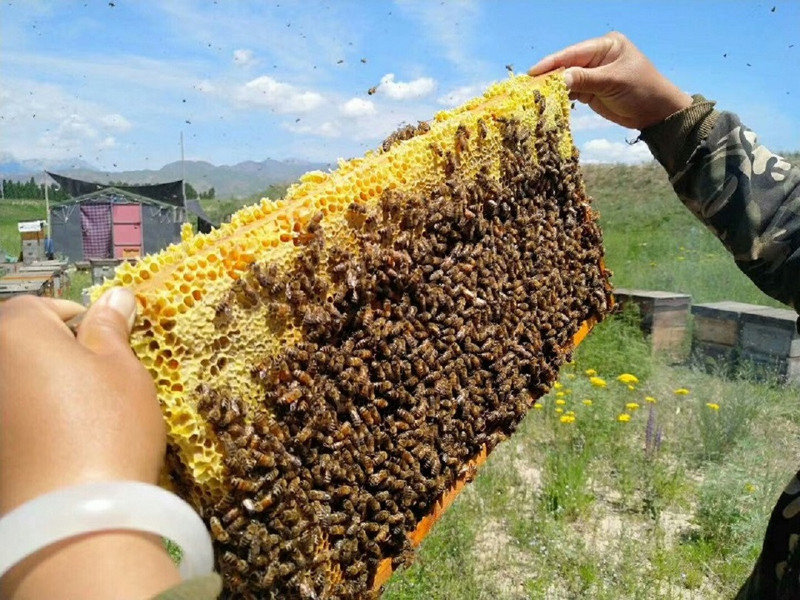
[
  {"x": 108, "y": 322},
  {"x": 585, "y": 81}
]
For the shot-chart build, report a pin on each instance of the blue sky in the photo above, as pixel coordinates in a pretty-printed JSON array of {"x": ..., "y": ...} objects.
[{"x": 116, "y": 85}]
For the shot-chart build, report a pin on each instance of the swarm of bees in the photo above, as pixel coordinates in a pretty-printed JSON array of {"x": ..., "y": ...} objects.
[
  {"x": 348, "y": 388},
  {"x": 454, "y": 315}
]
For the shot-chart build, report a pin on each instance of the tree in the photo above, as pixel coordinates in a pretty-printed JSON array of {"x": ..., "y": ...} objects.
[{"x": 190, "y": 191}]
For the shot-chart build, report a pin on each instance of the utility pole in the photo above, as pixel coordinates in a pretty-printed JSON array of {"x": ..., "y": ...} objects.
[
  {"x": 183, "y": 171},
  {"x": 46, "y": 203}
]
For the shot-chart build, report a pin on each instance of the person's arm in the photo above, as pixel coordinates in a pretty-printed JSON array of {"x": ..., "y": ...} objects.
[
  {"x": 746, "y": 195},
  {"x": 74, "y": 411}
]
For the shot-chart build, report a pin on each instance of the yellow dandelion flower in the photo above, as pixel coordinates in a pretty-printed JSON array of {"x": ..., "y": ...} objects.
[
  {"x": 567, "y": 419},
  {"x": 560, "y": 394},
  {"x": 538, "y": 406},
  {"x": 597, "y": 381},
  {"x": 649, "y": 399},
  {"x": 590, "y": 372},
  {"x": 632, "y": 406},
  {"x": 561, "y": 402},
  {"x": 628, "y": 378},
  {"x": 558, "y": 385},
  {"x": 749, "y": 488},
  {"x": 587, "y": 401},
  {"x": 623, "y": 418},
  {"x": 559, "y": 410},
  {"x": 681, "y": 392},
  {"x": 712, "y": 405}
]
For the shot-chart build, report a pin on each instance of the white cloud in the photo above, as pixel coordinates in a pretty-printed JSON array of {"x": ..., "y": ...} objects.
[
  {"x": 116, "y": 122},
  {"x": 326, "y": 129},
  {"x": 406, "y": 90},
  {"x": 358, "y": 107},
  {"x": 460, "y": 95},
  {"x": 46, "y": 121},
  {"x": 281, "y": 97},
  {"x": 602, "y": 150},
  {"x": 70, "y": 134},
  {"x": 243, "y": 57},
  {"x": 588, "y": 122}
]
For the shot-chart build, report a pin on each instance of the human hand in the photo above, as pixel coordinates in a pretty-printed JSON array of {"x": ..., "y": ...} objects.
[
  {"x": 73, "y": 410},
  {"x": 617, "y": 81}
]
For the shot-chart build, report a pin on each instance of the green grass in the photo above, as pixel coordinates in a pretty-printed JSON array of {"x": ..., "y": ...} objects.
[{"x": 11, "y": 212}]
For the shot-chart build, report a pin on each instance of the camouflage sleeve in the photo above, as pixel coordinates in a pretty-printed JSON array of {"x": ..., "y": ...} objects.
[{"x": 750, "y": 198}]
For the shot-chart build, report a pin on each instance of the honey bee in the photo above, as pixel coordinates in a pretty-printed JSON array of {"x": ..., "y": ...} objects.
[
  {"x": 245, "y": 485},
  {"x": 260, "y": 505},
  {"x": 355, "y": 207},
  {"x": 291, "y": 396},
  {"x": 223, "y": 313},
  {"x": 217, "y": 530},
  {"x": 462, "y": 135}
]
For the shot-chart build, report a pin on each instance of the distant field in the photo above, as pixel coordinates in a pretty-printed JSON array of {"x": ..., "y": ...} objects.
[{"x": 11, "y": 212}]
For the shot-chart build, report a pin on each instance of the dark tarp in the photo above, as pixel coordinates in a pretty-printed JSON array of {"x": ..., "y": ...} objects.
[
  {"x": 169, "y": 193},
  {"x": 204, "y": 222}
]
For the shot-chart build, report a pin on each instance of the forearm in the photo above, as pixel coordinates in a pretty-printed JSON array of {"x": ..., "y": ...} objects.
[
  {"x": 114, "y": 564},
  {"x": 747, "y": 196}
]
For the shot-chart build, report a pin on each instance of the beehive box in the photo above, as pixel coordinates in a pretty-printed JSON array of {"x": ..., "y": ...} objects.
[
  {"x": 728, "y": 335},
  {"x": 9, "y": 289},
  {"x": 57, "y": 271},
  {"x": 770, "y": 342},
  {"x": 42, "y": 282},
  {"x": 664, "y": 318},
  {"x": 333, "y": 367},
  {"x": 102, "y": 269}
]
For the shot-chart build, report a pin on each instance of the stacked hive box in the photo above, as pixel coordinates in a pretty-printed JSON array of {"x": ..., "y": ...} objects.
[
  {"x": 333, "y": 366},
  {"x": 729, "y": 335},
  {"x": 33, "y": 240}
]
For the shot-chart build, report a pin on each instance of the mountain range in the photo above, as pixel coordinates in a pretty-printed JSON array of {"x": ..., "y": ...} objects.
[{"x": 241, "y": 180}]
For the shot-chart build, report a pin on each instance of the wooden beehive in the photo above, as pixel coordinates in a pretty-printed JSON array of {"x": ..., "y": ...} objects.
[{"x": 664, "y": 318}]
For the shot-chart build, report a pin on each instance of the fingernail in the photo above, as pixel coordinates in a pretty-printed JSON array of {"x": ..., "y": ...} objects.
[
  {"x": 568, "y": 79},
  {"x": 123, "y": 301}
]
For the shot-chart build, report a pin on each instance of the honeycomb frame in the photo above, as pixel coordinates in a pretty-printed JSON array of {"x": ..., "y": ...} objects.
[{"x": 240, "y": 329}]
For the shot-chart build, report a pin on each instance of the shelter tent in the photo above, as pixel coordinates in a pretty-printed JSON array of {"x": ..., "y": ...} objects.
[{"x": 102, "y": 221}]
